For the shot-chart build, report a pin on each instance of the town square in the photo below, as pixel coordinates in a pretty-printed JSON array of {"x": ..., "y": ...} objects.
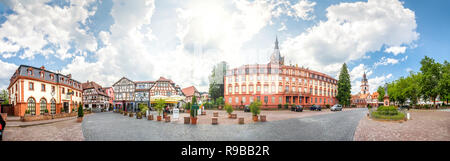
[{"x": 300, "y": 70}]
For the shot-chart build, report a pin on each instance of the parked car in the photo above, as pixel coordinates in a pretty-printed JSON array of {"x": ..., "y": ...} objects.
[
  {"x": 336, "y": 107},
  {"x": 293, "y": 108},
  {"x": 315, "y": 108},
  {"x": 298, "y": 108},
  {"x": 246, "y": 108}
]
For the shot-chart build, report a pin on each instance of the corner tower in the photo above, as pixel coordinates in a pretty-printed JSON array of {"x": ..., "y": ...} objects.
[{"x": 276, "y": 57}]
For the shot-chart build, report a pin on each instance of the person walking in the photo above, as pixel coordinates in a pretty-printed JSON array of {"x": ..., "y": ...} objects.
[{"x": 2, "y": 126}]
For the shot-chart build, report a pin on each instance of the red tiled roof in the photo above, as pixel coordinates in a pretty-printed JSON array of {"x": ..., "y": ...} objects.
[
  {"x": 97, "y": 87},
  {"x": 189, "y": 91}
]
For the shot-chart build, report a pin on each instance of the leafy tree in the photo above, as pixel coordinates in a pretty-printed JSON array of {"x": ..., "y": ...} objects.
[
  {"x": 143, "y": 107},
  {"x": 220, "y": 101},
  {"x": 430, "y": 78},
  {"x": 344, "y": 86},
  {"x": 255, "y": 108},
  {"x": 444, "y": 83},
  {"x": 5, "y": 97},
  {"x": 380, "y": 91},
  {"x": 160, "y": 103},
  {"x": 411, "y": 91}
]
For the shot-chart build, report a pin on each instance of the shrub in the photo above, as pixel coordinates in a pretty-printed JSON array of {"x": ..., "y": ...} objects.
[
  {"x": 387, "y": 110},
  {"x": 378, "y": 115},
  {"x": 229, "y": 108},
  {"x": 80, "y": 111},
  {"x": 193, "y": 111},
  {"x": 280, "y": 106},
  {"x": 160, "y": 103},
  {"x": 46, "y": 110},
  {"x": 327, "y": 105},
  {"x": 255, "y": 108},
  {"x": 286, "y": 106}
]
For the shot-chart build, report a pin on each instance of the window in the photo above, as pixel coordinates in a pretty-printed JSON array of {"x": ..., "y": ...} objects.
[
  {"x": 273, "y": 88},
  {"x": 258, "y": 98},
  {"x": 63, "y": 91},
  {"x": 244, "y": 89},
  {"x": 42, "y": 74},
  {"x": 315, "y": 100},
  {"x": 266, "y": 99},
  {"x": 43, "y": 105},
  {"x": 273, "y": 99},
  {"x": 43, "y": 87},
  {"x": 310, "y": 91},
  {"x": 31, "y": 106},
  {"x": 266, "y": 89},
  {"x": 280, "y": 99},
  {"x": 53, "y": 106},
  {"x": 229, "y": 90},
  {"x": 286, "y": 89},
  {"x": 250, "y": 88},
  {"x": 31, "y": 86},
  {"x": 258, "y": 88},
  {"x": 243, "y": 99},
  {"x": 320, "y": 100},
  {"x": 236, "y": 99},
  {"x": 280, "y": 89},
  {"x": 236, "y": 90},
  {"x": 230, "y": 100},
  {"x": 251, "y": 99}
]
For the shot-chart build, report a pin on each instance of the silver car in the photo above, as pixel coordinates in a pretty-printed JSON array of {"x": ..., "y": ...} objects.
[{"x": 336, "y": 107}]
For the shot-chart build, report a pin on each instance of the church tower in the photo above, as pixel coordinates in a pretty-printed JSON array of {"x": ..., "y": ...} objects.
[
  {"x": 276, "y": 57},
  {"x": 364, "y": 84}
]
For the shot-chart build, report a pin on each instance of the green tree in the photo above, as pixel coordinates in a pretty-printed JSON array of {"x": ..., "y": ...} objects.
[
  {"x": 344, "y": 86},
  {"x": 160, "y": 103},
  {"x": 411, "y": 91},
  {"x": 143, "y": 107},
  {"x": 194, "y": 100},
  {"x": 444, "y": 83},
  {"x": 380, "y": 91},
  {"x": 429, "y": 81},
  {"x": 255, "y": 108},
  {"x": 5, "y": 97},
  {"x": 216, "y": 80}
]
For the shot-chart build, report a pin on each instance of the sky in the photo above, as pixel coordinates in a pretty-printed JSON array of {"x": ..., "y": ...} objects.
[{"x": 105, "y": 40}]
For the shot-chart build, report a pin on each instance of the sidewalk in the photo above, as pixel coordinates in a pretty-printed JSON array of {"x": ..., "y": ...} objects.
[{"x": 18, "y": 123}]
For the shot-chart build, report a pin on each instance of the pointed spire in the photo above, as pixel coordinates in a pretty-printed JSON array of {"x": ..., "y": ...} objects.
[{"x": 276, "y": 42}]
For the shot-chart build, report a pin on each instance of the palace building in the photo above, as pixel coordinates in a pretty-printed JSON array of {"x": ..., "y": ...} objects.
[
  {"x": 34, "y": 90},
  {"x": 277, "y": 84}
]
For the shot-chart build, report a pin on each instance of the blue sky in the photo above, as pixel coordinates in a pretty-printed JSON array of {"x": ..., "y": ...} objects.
[{"x": 183, "y": 39}]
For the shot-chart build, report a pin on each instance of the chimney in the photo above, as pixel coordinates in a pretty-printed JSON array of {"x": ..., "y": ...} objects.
[
  {"x": 70, "y": 76},
  {"x": 42, "y": 67}
]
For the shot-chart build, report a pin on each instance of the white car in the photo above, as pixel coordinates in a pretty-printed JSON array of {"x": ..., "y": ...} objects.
[{"x": 336, "y": 107}]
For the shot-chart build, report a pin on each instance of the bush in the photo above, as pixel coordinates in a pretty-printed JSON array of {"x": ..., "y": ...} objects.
[
  {"x": 46, "y": 110},
  {"x": 193, "y": 111},
  {"x": 80, "y": 111},
  {"x": 286, "y": 106},
  {"x": 378, "y": 115},
  {"x": 387, "y": 110},
  {"x": 280, "y": 106},
  {"x": 255, "y": 108},
  {"x": 229, "y": 108},
  {"x": 327, "y": 105}
]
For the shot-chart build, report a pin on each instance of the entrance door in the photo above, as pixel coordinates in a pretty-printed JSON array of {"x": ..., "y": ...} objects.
[{"x": 66, "y": 107}]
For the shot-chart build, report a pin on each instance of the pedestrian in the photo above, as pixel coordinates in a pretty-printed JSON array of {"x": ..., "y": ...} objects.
[{"x": 2, "y": 126}]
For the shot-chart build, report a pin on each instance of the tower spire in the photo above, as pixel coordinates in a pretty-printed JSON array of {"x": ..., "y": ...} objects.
[{"x": 276, "y": 42}]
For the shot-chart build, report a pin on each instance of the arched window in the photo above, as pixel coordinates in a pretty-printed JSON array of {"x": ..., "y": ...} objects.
[
  {"x": 43, "y": 105},
  {"x": 53, "y": 106},
  {"x": 32, "y": 106}
]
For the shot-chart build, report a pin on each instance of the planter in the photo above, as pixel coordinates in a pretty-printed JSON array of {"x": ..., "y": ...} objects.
[
  {"x": 125, "y": 114},
  {"x": 255, "y": 118},
  {"x": 215, "y": 121},
  {"x": 203, "y": 112},
  {"x": 167, "y": 118},
  {"x": 263, "y": 118},
  {"x": 193, "y": 120},
  {"x": 187, "y": 120},
  {"x": 79, "y": 119},
  {"x": 216, "y": 114},
  {"x": 188, "y": 111},
  {"x": 220, "y": 107},
  {"x": 233, "y": 116},
  {"x": 150, "y": 117},
  {"x": 158, "y": 118},
  {"x": 241, "y": 120},
  {"x": 229, "y": 116},
  {"x": 131, "y": 115}
]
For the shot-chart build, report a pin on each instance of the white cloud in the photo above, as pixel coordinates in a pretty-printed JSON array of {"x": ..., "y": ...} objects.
[
  {"x": 304, "y": 9},
  {"x": 374, "y": 83},
  {"x": 351, "y": 31},
  {"x": 283, "y": 27},
  {"x": 386, "y": 61},
  {"x": 35, "y": 24},
  {"x": 357, "y": 72},
  {"x": 396, "y": 50},
  {"x": 6, "y": 71}
]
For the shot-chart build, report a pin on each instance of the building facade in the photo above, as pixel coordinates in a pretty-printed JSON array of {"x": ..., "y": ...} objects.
[
  {"x": 190, "y": 92},
  {"x": 276, "y": 83},
  {"x": 142, "y": 94},
  {"x": 94, "y": 96},
  {"x": 36, "y": 89},
  {"x": 166, "y": 89},
  {"x": 124, "y": 94},
  {"x": 110, "y": 92}
]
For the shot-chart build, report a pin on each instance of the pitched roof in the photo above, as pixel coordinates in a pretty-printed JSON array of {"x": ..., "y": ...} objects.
[
  {"x": 189, "y": 91},
  {"x": 98, "y": 88}
]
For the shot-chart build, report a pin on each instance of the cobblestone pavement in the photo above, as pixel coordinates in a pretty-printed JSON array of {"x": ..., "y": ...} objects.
[
  {"x": 423, "y": 126},
  {"x": 270, "y": 116},
  {"x": 332, "y": 126},
  {"x": 68, "y": 130}
]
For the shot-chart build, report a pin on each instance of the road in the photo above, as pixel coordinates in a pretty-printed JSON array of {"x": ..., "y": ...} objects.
[{"x": 338, "y": 126}]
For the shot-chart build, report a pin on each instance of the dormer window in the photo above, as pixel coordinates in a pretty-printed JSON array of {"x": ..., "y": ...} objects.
[
  {"x": 30, "y": 71},
  {"x": 42, "y": 74},
  {"x": 52, "y": 77}
]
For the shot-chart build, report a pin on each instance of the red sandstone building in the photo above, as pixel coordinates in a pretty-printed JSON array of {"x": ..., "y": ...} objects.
[{"x": 276, "y": 83}]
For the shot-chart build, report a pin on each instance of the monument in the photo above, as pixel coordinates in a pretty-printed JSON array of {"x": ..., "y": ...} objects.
[{"x": 386, "y": 96}]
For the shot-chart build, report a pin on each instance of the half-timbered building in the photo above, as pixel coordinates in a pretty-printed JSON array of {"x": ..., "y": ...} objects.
[
  {"x": 94, "y": 96},
  {"x": 124, "y": 94}
]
